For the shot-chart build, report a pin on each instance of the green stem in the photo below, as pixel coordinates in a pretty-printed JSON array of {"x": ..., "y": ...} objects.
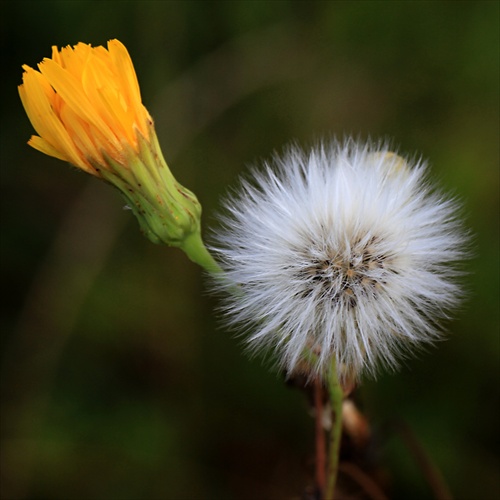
[
  {"x": 196, "y": 250},
  {"x": 336, "y": 396}
]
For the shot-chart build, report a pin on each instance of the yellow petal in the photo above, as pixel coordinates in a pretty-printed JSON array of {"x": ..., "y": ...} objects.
[
  {"x": 71, "y": 91},
  {"x": 130, "y": 87},
  {"x": 33, "y": 95},
  {"x": 98, "y": 80},
  {"x": 43, "y": 146},
  {"x": 85, "y": 104}
]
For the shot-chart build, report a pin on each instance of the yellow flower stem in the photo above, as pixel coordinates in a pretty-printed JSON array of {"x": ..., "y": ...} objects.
[
  {"x": 336, "y": 396},
  {"x": 196, "y": 250}
]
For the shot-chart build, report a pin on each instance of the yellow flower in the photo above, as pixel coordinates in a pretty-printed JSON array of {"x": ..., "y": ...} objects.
[{"x": 85, "y": 104}]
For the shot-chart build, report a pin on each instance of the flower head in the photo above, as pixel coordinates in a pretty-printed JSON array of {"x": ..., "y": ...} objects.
[
  {"x": 343, "y": 253},
  {"x": 85, "y": 104}
]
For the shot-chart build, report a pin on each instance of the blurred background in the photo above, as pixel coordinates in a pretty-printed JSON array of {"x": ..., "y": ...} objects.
[{"x": 118, "y": 381}]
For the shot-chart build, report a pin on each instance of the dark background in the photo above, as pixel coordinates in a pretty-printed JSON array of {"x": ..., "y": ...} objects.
[{"x": 117, "y": 380}]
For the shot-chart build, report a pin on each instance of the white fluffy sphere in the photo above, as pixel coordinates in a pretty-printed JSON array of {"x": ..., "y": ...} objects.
[{"x": 342, "y": 252}]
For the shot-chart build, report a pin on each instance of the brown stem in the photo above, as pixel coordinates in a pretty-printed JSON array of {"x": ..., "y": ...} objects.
[
  {"x": 430, "y": 471},
  {"x": 369, "y": 486}
]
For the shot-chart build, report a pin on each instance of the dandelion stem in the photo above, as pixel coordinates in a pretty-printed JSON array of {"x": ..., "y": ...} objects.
[
  {"x": 336, "y": 395},
  {"x": 320, "y": 437}
]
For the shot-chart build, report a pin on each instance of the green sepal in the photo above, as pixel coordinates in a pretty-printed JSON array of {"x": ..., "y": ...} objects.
[{"x": 167, "y": 212}]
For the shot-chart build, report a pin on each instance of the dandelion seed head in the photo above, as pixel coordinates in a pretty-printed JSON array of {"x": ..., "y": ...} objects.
[{"x": 344, "y": 251}]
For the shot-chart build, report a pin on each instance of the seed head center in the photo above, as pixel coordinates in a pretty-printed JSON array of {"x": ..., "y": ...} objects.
[{"x": 344, "y": 275}]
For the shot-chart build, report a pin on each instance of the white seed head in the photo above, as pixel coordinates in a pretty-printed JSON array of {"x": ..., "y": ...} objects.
[{"x": 344, "y": 251}]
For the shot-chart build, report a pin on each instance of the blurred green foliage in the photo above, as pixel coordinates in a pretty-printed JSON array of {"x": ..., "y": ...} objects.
[{"x": 117, "y": 380}]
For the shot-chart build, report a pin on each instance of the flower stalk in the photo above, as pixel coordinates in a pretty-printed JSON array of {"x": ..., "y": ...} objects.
[
  {"x": 327, "y": 460},
  {"x": 320, "y": 436},
  {"x": 336, "y": 396}
]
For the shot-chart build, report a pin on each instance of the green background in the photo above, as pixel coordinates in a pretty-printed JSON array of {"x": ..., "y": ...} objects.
[{"x": 118, "y": 381}]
